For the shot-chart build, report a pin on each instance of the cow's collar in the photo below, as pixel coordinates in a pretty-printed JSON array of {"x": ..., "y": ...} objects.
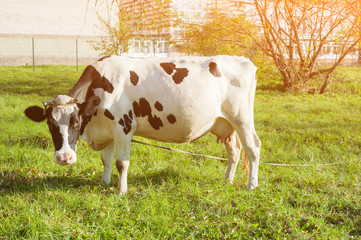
[{"x": 61, "y": 101}]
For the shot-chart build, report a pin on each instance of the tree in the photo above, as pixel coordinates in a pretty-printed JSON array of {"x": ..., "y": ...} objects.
[
  {"x": 136, "y": 20},
  {"x": 118, "y": 34},
  {"x": 221, "y": 34},
  {"x": 295, "y": 34},
  {"x": 358, "y": 12}
]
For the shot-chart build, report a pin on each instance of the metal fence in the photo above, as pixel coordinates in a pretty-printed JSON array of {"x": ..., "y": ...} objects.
[
  {"x": 17, "y": 49},
  {"x": 20, "y": 49}
]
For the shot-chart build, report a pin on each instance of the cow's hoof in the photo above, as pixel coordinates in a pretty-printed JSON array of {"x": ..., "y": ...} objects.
[
  {"x": 104, "y": 184},
  {"x": 252, "y": 186},
  {"x": 121, "y": 191},
  {"x": 229, "y": 181}
]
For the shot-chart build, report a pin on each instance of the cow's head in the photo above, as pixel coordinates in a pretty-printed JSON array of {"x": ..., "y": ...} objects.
[{"x": 65, "y": 117}]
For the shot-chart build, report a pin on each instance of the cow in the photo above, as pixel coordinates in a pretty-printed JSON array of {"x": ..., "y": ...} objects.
[{"x": 176, "y": 100}]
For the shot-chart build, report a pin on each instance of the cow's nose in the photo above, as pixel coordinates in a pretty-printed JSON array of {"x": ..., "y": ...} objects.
[{"x": 64, "y": 158}]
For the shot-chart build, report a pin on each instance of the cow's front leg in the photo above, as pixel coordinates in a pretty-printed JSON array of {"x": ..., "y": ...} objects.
[
  {"x": 107, "y": 159},
  {"x": 122, "y": 154},
  {"x": 122, "y": 166}
]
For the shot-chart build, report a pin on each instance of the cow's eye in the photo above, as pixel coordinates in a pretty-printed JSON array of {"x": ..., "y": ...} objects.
[{"x": 76, "y": 123}]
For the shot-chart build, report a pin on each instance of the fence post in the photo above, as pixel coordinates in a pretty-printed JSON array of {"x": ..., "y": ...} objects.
[
  {"x": 32, "y": 40},
  {"x": 77, "y": 58}
]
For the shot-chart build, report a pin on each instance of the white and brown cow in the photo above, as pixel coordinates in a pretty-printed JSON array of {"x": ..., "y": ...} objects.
[{"x": 174, "y": 100}]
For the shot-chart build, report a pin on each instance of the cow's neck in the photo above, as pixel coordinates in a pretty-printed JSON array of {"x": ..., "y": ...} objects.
[{"x": 80, "y": 88}]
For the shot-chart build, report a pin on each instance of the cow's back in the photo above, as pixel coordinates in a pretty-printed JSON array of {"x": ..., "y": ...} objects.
[{"x": 175, "y": 99}]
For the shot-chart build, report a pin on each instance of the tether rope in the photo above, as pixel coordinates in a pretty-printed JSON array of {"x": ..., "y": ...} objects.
[{"x": 225, "y": 159}]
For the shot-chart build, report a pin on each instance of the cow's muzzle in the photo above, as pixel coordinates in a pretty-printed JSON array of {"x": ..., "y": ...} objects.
[{"x": 64, "y": 158}]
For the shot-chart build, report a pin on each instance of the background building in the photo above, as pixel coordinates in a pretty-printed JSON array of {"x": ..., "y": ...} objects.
[
  {"x": 61, "y": 32},
  {"x": 54, "y": 32},
  {"x": 157, "y": 42}
]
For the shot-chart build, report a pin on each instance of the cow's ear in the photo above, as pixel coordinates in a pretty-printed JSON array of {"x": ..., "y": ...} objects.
[
  {"x": 36, "y": 113},
  {"x": 89, "y": 106}
]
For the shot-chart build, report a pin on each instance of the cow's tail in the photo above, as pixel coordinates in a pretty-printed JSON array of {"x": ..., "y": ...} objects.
[
  {"x": 245, "y": 165},
  {"x": 252, "y": 92}
]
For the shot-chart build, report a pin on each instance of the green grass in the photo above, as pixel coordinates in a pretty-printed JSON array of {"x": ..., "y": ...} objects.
[
  {"x": 344, "y": 80},
  {"x": 175, "y": 196}
]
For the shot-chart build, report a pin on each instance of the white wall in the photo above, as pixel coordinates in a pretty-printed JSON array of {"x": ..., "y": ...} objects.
[
  {"x": 54, "y": 24},
  {"x": 49, "y": 17}
]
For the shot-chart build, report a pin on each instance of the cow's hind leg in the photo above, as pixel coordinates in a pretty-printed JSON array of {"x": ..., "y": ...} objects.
[
  {"x": 252, "y": 145},
  {"x": 233, "y": 147},
  {"x": 107, "y": 159}
]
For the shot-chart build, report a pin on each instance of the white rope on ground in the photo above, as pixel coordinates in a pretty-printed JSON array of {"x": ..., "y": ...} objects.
[
  {"x": 180, "y": 151},
  {"x": 225, "y": 159},
  {"x": 302, "y": 165}
]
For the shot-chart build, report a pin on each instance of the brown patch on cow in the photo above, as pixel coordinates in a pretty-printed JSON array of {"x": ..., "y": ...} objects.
[
  {"x": 213, "y": 69},
  {"x": 158, "y": 106},
  {"x": 102, "y": 58},
  {"x": 127, "y": 129},
  {"x": 134, "y": 78},
  {"x": 168, "y": 67},
  {"x": 90, "y": 79},
  {"x": 103, "y": 160},
  {"x": 143, "y": 109},
  {"x": 155, "y": 122},
  {"x": 126, "y": 122},
  {"x": 178, "y": 74},
  {"x": 127, "y": 118},
  {"x": 85, "y": 120},
  {"x": 108, "y": 114},
  {"x": 99, "y": 82},
  {"x": 171, "y": 118},
  {"x": 119, "y": 165},
  {"x": 136, "y": 109}
]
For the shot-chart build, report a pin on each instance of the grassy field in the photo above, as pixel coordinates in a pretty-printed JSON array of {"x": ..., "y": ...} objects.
[{"x": 175, "y": 196}]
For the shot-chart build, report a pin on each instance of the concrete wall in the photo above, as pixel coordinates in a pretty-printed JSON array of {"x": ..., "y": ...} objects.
[
  {"x": 18, "y": 49},
  {"x": 55, "y": 26}
]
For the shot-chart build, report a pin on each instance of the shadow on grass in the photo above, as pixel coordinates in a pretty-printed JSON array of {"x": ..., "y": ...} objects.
[
  {"x": 44, "y": 89},
  {"x": 27, "y": 181},
  {"x": 45, "y": 81},
  {"x": 33, "y": 141},
  {"x": 169, "y": 176},
  {"x": 13, "y": 181},
  {"x": 20, "y": 181},
  {"x": 357, "y": 229},
  {"x": 271, "y": 87},
  {"x": 156, "y": 177}
]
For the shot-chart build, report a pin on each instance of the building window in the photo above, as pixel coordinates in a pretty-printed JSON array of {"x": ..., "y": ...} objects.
[
  {"x": 326, "y": 49},
  {"x": 336, "y": 49},
  {"x": 136, "y": 46}
]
